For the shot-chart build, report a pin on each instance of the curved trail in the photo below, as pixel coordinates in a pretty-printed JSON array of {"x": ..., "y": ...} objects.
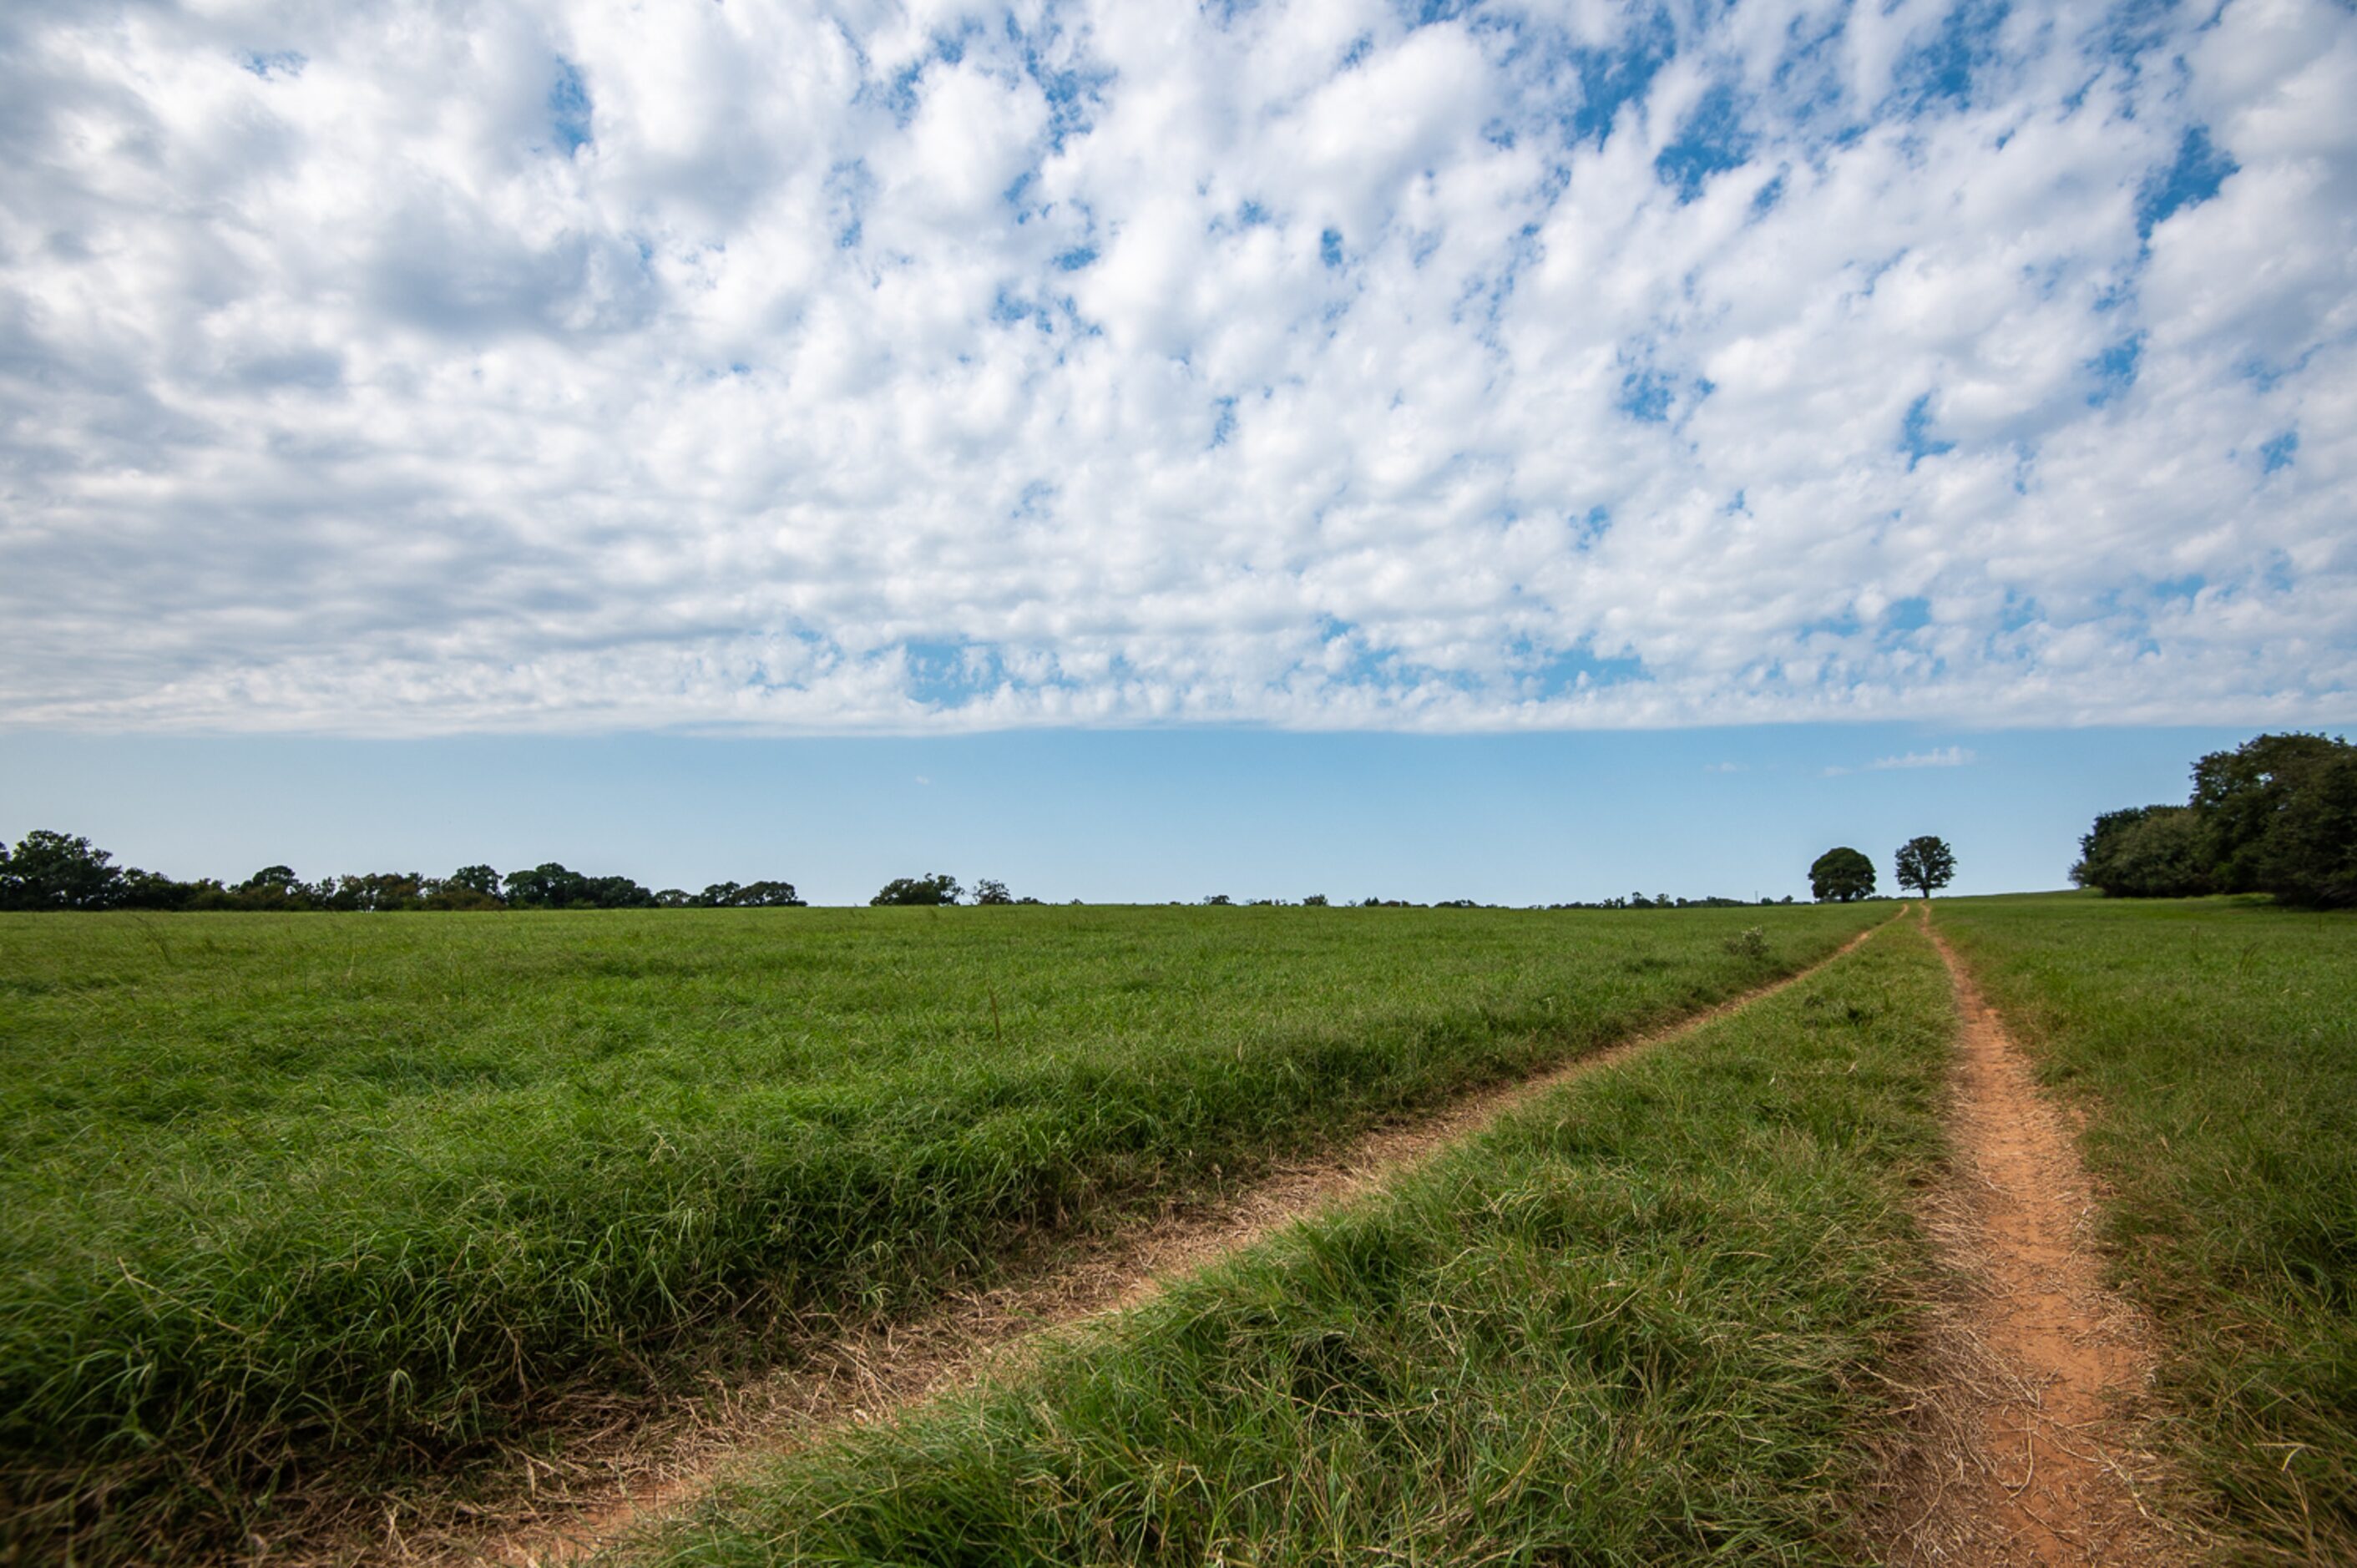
[
  {"x": 870, "y": 1374},
  {"x": 2026, "y": 1447}
]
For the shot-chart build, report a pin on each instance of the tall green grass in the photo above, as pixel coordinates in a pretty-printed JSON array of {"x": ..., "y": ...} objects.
[
  {"x": 1643, "y": 1321},
  {"x": 276, "y": 1189},
  {"x": 2213, "y": 1045}
]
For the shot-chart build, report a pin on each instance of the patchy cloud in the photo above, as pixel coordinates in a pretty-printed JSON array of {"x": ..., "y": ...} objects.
[
  {"x": 1939, "y": 757},
  {"x": 400, "y": 369}
]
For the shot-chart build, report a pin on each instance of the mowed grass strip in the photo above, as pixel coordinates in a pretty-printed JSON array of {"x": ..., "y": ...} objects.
[
  {"x": 280, "y": 1188},
  {"x": 2213, "y": 1043},
  {"x": 1642, "y": 1320}
]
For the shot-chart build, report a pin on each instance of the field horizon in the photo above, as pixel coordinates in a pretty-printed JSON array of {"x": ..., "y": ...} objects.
[
  {"x": 286, "y": 1186},
  {"x": 301, "y": 1207}
]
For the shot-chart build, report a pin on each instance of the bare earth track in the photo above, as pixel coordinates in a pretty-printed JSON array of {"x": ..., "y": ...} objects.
[
  {"x": 869, "y": 1373},
  {"x": 2023, "y": 1449},
  {"x": 2026, "y": 1445}
]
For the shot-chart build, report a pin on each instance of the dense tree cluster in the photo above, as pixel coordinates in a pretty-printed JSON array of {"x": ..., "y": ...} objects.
[
  {"x": 61, "y": 871},
  {"x": 2277, "y": 814}
]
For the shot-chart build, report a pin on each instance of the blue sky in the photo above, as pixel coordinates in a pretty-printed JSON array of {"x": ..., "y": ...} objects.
[
  {"x": 1119, "y": 816},
  {"x": 679, "y": 390}
]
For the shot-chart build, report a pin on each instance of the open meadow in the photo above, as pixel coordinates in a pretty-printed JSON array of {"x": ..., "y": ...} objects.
[
  {"x": 1651, "y": 1318},
  {"x": 374, "y": 1192},
  {"x": 350, "y": 1207},
  {"x": 1689, "y": 1306}
]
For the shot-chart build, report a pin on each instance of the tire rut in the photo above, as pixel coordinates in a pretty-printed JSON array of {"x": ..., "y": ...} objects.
[
  {"x": 870, "y": 1373},
  {"x": 2026, "y": 1444}
]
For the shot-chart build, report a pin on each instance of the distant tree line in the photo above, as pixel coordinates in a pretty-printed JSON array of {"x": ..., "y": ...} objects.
[
  {"x": 2277, "y": 814},
  {"x": 1633, "y": 901},
  {"x": 1663, "y": 901},
  {"x": 942, "y": 888},
  {"x": 61, "y": 871}
]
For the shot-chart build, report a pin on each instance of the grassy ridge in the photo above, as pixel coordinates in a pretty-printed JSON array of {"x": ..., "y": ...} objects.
[
  {"x": 2215, "y": 1042},
  {"x": 1638, "y": 1322},
  {"x": 277, "y": 1186}
]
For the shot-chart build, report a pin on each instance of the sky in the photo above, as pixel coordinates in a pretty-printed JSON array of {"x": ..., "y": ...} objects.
[
  {"x": 1120, "y": 816},
  {"x": 1343, "y": 427}
]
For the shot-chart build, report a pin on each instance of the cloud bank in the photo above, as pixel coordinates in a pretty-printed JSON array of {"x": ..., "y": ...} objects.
[{"x": 405, "y": 367}]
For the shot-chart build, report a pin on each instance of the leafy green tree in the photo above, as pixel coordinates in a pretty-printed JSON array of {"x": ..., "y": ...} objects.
[
  {"x": 939, "y": 888},
  {"x": 1314, "y": 901},
  {"x": 58, "y": 871},
  {"x": 989, "y": 890},
  {"x": 377, "y": 892},
  {"x": 479, "y": 879},
  {"x": 1925, "y": 863},
  {"x": 616, "y": 893},
  {"x": 153, "y": 890},
  {"x": 277, "y": 887},
  {"x": 2280, "y": 809},
  {"x": 719, "y": 895},
  {"x": 450, "y": 893},
  {"x": 2309, "y": 853},
  {"x": 548, "y": 886},
  {"x": 2100, "y": 845},
  {"x": 1841, "y": 876},
  {"x": 2241, "y": 794},
  {"x": 768, "y": 896},
  {"x": 2148, "y": 851}
]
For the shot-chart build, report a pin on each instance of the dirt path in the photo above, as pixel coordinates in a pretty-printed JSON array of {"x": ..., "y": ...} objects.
[
  {"x": 867, "y": 1375},
  {"x": 2026, "y": 1449}
]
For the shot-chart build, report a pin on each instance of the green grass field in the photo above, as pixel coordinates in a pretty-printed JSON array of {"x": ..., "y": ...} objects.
[
  {"x": 2213, "y": 1044},
  {"x": 375, "y": 1189},
  {"x": 1642, "y": 1320}
]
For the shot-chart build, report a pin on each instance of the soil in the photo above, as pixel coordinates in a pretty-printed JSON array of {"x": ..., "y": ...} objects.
[
  {"x": 569, "y": 1509},
  {"x": 2025, "y": 1448}
]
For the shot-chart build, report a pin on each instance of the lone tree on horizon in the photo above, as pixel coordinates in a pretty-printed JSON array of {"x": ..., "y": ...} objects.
[
  {"x": 1925, "y": 863},
  {"x": 1841, "y": 876}
]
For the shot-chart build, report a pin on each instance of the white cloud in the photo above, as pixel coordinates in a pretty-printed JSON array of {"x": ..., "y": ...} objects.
[
  {"x": 1939, "y": 757},
  {"x": 896, "y": 367}
]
